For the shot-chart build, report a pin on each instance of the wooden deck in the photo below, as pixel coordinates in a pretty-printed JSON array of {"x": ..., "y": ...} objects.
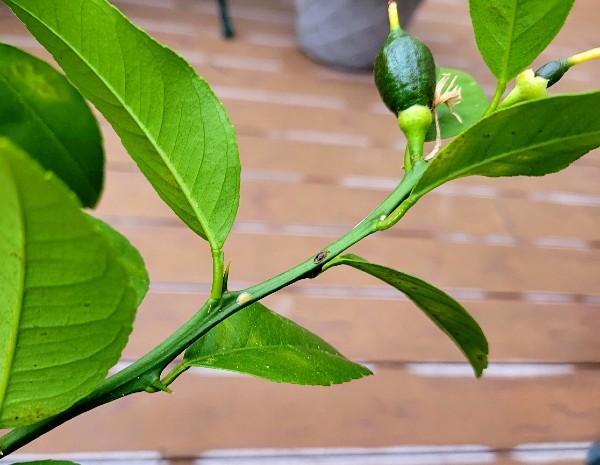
[{"x": 318, "y": 152}]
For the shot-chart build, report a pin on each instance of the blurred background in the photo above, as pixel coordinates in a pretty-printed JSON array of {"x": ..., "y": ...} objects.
[{"x": 318, "y": 152}]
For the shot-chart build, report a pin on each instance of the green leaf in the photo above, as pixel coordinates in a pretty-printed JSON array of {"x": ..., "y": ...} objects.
[
  {"x": 532, "y": 139},
  {"x": 511, "y": 33},
  {"x": 443, "y": 310},
  {"x": 471, "y": 109},
  {"x": 45, "y": 115},
  {"x": 168, "y": 118},
  {"x": 69, "y": 290},
  {"x": 262, "y": 343}
]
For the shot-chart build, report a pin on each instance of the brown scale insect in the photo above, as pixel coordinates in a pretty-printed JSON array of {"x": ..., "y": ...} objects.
[{"x": 322, "y": 255}]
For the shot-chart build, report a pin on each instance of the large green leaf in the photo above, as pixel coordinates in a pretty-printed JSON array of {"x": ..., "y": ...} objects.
[
  {"x": 512, "y": 33},
  {"x": 69, "y": 290},
  {"x": 471, "y": 109},
  {"x": 262, "y": 343},
  {"x": 443, "y": 310},
  {"x": 532, "y": 139},
  {"x": 43, "y": 113},
  {"x": 168, "y": 118}
]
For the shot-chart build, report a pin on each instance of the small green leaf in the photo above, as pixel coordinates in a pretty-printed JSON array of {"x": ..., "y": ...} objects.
[
  {"x": 168, "y": 118},
  {"x": 532, "y": 139},
  {"x": 69, "y": 290},
  {"x": 262, "y": 343},
  {"x": 511, "y": 33},
  {"x": 471, "y": 109},
  {"x": 45, "y": 115},
  {"x": 443, "y": 310}
]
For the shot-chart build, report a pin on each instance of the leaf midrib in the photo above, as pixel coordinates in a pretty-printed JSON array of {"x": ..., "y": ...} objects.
[
  {"x": 239, "y": 350},
  {"x": 504, "y": 76},
  {"x": 51, "y": 134},
  {"x": 14, "y": 336},
  {"x": 199, "y": 215},
  {"x": 459, "y": 173}
]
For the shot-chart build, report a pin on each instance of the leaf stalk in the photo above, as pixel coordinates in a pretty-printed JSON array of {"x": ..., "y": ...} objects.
[
  {"x": 500, "y": 89},
  {"x": 216, "y": 290}
]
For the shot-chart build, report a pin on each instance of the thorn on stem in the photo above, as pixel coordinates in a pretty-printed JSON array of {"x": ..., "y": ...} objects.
[{"x": 158, "y": 385}]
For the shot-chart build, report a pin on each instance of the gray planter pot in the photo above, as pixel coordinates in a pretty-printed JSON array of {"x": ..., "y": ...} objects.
[
  {"x": 346, "y": 33},
  {"x": 593, "y": 457}
]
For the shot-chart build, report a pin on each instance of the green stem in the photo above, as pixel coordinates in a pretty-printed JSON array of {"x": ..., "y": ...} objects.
[
  {"x": 395, "y": 216},
  {"x": 144, "y": 374},
  {"x": 407, "y": 160},
  {"x": 216, "y": 290},
  {"x": 175, "y": 373},
  {"x": 500, "y": 88},
  {"x": 137, "y": 377}
]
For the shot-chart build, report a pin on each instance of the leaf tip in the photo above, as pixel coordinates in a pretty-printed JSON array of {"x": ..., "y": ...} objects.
[{"x": 479, "y": 364}]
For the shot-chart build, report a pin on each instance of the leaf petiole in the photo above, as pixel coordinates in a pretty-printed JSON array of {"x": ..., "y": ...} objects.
[
  {"x": 216, "y": 291},
  {"x": 175, "y": 373},
  {"x": 411, "y": 179},
  {"x": 500, "y": 88}
]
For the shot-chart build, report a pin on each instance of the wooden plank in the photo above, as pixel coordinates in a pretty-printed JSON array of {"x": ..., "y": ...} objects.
[
  {"x": 468, "y": 458},
  {"x": 334, "y": 165},
  {"x": 294, "y": 203},
  {"x": 391, "y": 408},
  {"x": 276, "y": 121},
  {"x": 559, "y": 454},
  {"x": 544, "y": 460},
  {"x": 393, "y": 460},
  {"x": 175, "y": 254},
  {"x": 399, "y": 455},
  {"x": 286, "y": 200},
  {"x": 396, "y": 331},
  {"x": 552, "y": 220}
]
